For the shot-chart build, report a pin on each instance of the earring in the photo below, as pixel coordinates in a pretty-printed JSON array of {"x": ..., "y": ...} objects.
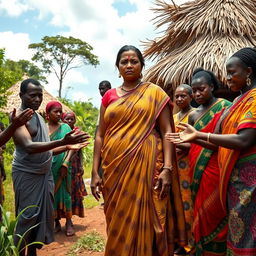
[
  {"x": 119, "y": 75},
  {"x": 248, "y": 81}
]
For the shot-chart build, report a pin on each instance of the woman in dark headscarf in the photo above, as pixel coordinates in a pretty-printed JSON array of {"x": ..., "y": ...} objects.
[{"x": 236, "y": 153}]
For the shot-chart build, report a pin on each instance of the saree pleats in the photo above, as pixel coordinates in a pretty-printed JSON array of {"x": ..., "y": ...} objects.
[
  {"x": 62, "y": 191},
  {"x": 210, "y": 219},
  {"x": 138, "y": 223},
  {"x": 184, "y": 177},
  {"x": 238, "y": 179}
]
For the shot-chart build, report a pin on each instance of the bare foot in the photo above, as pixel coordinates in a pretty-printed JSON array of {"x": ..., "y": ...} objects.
[
  {"x": 69, "y": 228},
  {"x": 70, "y": 231}
]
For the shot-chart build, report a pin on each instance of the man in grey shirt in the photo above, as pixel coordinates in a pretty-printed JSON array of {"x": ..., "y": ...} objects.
[{"x": 31, "y": 171}]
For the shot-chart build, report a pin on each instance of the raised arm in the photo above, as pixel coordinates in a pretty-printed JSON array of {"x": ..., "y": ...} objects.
[
  {"x": 23, "y": 137},
  {"x": 99, "y": 137},
  {"x": 242, "y": 140},
  {"x": 16, "y": 121}
]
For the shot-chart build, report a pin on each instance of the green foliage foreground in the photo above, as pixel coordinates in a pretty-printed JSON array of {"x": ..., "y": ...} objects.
[
  {"x": 7, "y": 230},
  {"x": 92, "y": 241}
]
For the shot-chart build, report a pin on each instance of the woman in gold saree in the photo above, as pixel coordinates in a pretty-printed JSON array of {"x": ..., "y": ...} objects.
[
  {"x": 140, "y": 185},
  {"x": 183, "y": 98}
]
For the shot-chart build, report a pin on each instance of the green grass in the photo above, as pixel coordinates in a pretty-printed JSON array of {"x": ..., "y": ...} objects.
[
  {"x": 92, "y": 241},
  {"x": 90, "y": 202},
  {"x": 87, "y": 171}
]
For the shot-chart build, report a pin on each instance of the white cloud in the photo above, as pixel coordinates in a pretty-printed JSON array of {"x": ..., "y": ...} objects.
[
  {"x": 80, "y": 96},
  {"x": 16, "y": 45},
  {"x": 99, "y": 26},
  {"x": 13, "y": 7}
]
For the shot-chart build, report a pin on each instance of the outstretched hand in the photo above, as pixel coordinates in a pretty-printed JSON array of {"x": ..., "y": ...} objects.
[
  {"x": 78, "y": 146},
  {"x": 76, "y": 137},
  {"x": 21, "y": 118},
  {"x": 189, "y": 133}
]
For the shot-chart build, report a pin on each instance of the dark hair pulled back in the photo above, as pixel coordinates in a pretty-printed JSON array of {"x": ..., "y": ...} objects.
[
  {"x": 126, "y": 48},
  {"x": 209, "y": 76}
]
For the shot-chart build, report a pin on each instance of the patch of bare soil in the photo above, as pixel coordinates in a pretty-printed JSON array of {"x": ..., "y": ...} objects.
[{"x": 94, "y": 220}]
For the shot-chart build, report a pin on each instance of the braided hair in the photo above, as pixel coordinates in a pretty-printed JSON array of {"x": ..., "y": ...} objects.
[
  {"x": 247, "y": 56},
  {"x": 209, "y": 76}
]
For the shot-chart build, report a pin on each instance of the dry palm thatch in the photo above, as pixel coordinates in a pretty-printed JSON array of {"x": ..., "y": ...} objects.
[
  {"x": 201, "y": 33},
  {"x": 14, "y": 101}
]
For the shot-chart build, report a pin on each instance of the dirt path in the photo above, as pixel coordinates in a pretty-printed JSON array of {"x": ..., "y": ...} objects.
[{"x": 94, "y": 220}]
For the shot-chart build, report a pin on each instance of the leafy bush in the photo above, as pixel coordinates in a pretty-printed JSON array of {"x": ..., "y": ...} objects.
[
  {"x": 7, "y": 231},
  {"x": 86, "y": 119},
  {"x": 92, "y": 241}
]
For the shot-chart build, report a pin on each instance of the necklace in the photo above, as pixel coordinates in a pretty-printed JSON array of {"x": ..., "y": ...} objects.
[{"x": 125, "y": 90}]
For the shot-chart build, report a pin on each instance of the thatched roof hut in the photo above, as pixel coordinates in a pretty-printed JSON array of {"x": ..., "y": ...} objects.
[
  {"x": 14, "y": 101},
  {"x": 199, "y": 33}
]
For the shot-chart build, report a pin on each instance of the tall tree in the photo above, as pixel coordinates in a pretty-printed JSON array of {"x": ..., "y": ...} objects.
[{"x": 60, "y": 54}]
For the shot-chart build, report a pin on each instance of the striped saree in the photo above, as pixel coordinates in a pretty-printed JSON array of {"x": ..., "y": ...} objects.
[
  {"x": 138, "y": 223},
  {"x": 209, "y": 227},
  {"x": 238, "y": 179}
]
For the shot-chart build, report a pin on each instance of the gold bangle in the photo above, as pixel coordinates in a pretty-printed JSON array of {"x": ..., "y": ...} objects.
[
  {"x": 208, "y": 137},
  {"x": 170, "y": 168}
]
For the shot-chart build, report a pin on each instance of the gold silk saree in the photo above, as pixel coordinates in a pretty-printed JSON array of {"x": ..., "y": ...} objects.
[{"x": 138, "y": 223}]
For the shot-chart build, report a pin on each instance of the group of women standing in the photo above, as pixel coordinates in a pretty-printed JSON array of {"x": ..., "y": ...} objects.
[
  {"x": 67, "y": 168},
  {"x": 222, "y": 160},
  {"x": 142, "y": 185}
]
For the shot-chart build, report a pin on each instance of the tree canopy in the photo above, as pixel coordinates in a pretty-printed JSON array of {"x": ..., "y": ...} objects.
[
  {"x": 22, "y": 67},
  {"x": 8, "y": 78},
  {"x": 60, "y": 54}
]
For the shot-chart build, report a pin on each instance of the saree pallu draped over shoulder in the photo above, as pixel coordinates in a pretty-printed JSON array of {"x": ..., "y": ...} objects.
[
  {"x": 138, "y": 223},
  {"x": 210, "y": 220},
  {"x": 238, "y": 179}
]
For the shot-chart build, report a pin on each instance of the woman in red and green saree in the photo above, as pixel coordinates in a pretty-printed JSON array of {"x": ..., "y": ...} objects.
[
  {"x": 183, "y": 98},
  {"x": 236, "y": 153},
  {"x": 61, "y": 167},
  {"x": 77, "y": 186},
  {"x": 142, "y": 201},
  {"x": 210, "y": 221}
]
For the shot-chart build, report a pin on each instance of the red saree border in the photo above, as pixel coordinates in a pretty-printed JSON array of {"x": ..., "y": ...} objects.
[{"x": 240, "y": 251}]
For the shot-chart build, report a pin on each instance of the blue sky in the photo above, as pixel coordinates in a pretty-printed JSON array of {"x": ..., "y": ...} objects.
[{"x": 107, "y": 28}]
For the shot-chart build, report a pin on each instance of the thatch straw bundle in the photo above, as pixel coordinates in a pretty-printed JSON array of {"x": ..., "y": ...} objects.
[
  {"x": 201, "y": 33},
  {"x": 14, "y": 101}
]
